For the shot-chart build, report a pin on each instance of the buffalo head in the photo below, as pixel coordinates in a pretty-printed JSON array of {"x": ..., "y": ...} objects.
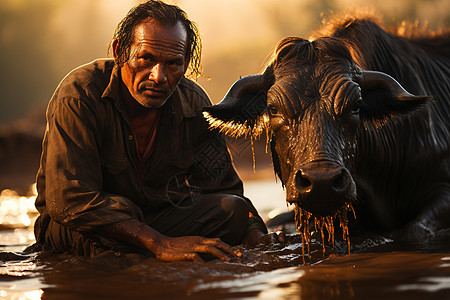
[{"x": 315, "y": 103}]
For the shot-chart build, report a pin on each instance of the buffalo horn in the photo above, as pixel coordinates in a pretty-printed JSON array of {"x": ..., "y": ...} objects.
[
  {"x": 374, "y": 79},
  {"x": 247, "y": 83}
]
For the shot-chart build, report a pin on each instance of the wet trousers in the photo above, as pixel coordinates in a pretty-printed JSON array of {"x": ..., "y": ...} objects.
[{"x": 223, "y": 216}]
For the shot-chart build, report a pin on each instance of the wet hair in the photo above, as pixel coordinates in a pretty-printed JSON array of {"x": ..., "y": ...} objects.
[
  {"x": 164, "y": 14},
  {"x": 298, "y": 51}
]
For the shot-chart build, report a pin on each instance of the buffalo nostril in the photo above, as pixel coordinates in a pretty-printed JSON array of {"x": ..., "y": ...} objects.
[
  {"x": 340, "y": 181},
  {"x": 303, "y": 184}
]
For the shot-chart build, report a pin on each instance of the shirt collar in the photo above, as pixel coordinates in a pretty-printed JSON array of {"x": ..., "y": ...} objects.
[{"x": 112, "y": 91}]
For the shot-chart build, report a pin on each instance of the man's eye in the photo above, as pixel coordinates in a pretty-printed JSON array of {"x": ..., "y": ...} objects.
[
  {"x": 146, "y": 57},
  {"x": 174, "y": 63}
]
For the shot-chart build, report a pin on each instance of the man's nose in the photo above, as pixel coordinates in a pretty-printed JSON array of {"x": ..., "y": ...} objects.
[{"x": 158, "y": 74}]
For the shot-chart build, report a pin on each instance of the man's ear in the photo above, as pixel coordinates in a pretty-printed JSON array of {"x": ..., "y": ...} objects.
[
  {"x": 187, "y": 62},
  {"x": 385, "y": 100},
  {"x": 115, "y": 49}
]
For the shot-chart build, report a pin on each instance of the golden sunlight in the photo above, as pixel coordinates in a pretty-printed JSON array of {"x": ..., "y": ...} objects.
[{"x": 17, "y": 211}]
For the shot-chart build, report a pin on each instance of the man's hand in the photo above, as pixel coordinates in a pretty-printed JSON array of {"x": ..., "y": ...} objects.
[
  {"x": 255, "y": 237},
  {"x": 167, "y": 248},
  {"x": 189, "y": 247}
]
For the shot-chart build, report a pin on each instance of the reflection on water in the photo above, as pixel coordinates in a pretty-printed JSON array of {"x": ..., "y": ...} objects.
[
  {"x": 429, "y": 284},
  {"x": 20, "y": 280},
  {"x": 378, "y": 268},
  {"x": 17, "y": 210},
  {"x": 22, "y": 295},
  {"x": 17, "y": 216},
  {"x": 264, "y": 281}
]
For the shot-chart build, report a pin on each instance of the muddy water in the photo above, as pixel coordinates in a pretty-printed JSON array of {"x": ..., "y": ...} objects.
[{"x": 377, "y": 267}]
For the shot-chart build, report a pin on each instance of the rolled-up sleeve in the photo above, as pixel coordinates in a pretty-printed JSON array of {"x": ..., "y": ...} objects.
[{"x": 74, "y": 179}]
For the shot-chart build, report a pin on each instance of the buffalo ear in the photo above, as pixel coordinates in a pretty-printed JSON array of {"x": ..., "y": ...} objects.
[
  {"x": 385, "y": 100},
  {"x": 241, "y": 111}
]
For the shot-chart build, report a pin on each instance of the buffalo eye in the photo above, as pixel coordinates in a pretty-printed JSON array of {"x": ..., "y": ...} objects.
[
  {"x": 273, "y": 111},
  {"x": 356, "y": 107},
  {"x": 276, "y": 118}
]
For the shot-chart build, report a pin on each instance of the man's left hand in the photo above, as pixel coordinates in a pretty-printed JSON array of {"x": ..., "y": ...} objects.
[{"x": 255, "y": 237}]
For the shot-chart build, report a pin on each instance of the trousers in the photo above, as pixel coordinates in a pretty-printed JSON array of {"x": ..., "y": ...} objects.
[{"x": 223, "y": 216}]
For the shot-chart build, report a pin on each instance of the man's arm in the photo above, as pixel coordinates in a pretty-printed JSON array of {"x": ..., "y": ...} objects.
[{"x": 167, "y": 248}]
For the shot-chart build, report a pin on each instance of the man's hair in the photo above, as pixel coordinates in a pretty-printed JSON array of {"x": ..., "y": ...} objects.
[{"x": 164, "y": 14}]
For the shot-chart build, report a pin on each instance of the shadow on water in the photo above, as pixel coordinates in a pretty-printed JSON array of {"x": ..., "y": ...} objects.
[{"x": 377, "y": 268}]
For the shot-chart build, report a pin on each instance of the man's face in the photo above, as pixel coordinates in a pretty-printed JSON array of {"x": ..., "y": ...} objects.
[{"x": 157, "y": 63}]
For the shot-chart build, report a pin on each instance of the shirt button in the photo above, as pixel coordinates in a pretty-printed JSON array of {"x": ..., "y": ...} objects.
[{"x": 130, "y": 137}]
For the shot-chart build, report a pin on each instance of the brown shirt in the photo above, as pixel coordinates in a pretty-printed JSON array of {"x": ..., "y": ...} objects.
[{"x": 87, "y": 176}]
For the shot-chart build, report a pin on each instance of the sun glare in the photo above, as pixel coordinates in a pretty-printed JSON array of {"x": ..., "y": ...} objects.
[{"x": 15, "y": 210}]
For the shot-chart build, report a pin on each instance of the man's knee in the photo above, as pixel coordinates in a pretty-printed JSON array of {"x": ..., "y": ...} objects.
[
  {"x": 235, "y": 214},
  {"x": 236, "y": 208},
  {"x": 61, "y": 239}
]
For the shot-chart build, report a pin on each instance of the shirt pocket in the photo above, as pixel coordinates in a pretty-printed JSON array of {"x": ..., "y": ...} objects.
[{"x": 115, "y": 163}]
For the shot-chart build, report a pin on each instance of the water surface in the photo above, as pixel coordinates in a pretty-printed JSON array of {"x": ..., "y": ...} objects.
[{"x": 377, "y": 267}]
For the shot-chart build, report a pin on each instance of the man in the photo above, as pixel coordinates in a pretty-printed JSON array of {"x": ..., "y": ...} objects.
[{"x": 128, "y": 163}]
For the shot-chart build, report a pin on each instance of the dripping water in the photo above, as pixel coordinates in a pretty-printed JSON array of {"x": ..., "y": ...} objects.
[{"x": 302, "y": 223}]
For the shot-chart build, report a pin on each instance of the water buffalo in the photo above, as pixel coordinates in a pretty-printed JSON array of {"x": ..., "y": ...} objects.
[{"x": 358, "y": 121}]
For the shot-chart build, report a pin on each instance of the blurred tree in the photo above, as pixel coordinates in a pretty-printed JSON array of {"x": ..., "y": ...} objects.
[
  {"x": 40, "y": 42},
  {"x": 300, "y": 18},
  {"x": 293, "y": 17},
  {"x": 26, "y": 75}
]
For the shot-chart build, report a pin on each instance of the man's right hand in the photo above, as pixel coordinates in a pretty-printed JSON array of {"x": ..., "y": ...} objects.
[
  {"x": 167, "y": 248},
  {"x": 189, "y": 247}
]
